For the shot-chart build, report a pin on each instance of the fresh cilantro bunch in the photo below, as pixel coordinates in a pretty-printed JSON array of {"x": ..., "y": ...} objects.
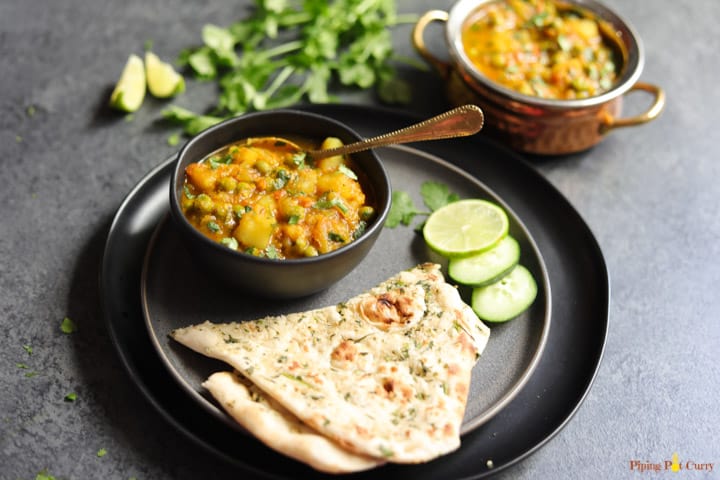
[
  {"x": 403, "y": 209},
  {"x": 287, "y": 51}
]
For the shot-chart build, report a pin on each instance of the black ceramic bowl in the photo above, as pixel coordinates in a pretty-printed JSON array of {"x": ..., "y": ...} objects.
[{"x": 277, "y": 278}]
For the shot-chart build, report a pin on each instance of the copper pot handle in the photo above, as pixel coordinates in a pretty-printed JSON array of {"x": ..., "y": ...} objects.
[
  {"x": 419, "y": 42},
  {"x": 650, "y": 114}
]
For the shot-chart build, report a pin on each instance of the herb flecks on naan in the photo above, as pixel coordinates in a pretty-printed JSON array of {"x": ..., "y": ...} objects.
[
  {"x": 279, "y": 429},
  {"x": 385, "y": 374}
]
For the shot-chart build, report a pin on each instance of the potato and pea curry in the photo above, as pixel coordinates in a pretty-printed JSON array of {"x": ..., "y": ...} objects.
[
  {"x": 264, "y": 196},
  {"x": 541, "y": 48}
]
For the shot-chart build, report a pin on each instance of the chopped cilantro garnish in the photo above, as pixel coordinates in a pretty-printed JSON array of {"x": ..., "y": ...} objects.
[
  {"x": 70, "y": 397},
  {"x": 240, "y": 210},
  {"x": 28, "y": 349},
  {"x": 386, "y": 452},
  {"x": 336, "y": 237},
  {"x": 44, "y": 475},
  {"x": 347, "y": 172},
  {"x": 216, "y": 161},
  {"x": 326, "y": 203},
  {"x": 362, "y": 226},
  {"x": 230, "y": 242},
  {"x": 281, "y": 178},
  {"x": 299, "y": 379},
  {"x": 299, "y": 159},
  {"x": 272, "y": 252},
  {"x": 173, "y": 139},
  {"x": 102, "y": 452},
  {"x": 68, "y": 326}
]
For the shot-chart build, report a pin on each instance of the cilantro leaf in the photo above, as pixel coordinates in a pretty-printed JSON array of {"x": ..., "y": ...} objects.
[
  {"x": 402, "y": 210},
  {"x": 436, "y": 195},
  {"x": 191, "y": 122},
  {"x": 44, "y": 475},
  {"x": 173, "y": 139},
  {"x": 70, "y": 397}
]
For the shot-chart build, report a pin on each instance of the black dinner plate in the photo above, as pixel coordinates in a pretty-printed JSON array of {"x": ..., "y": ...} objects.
[
  {"x": 175, "y": 294},
  {"x": 578, "y": 292}
]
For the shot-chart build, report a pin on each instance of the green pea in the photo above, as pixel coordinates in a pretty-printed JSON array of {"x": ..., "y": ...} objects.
[
  {"x": 366, "y": 212},
  {"x": 222, "y": 210},
  {"x": 187, "y": 203},
  {"x": 263, "y": 167},
  {"x": 204, "y": 203},
  {"x": 229, "y": 184}
]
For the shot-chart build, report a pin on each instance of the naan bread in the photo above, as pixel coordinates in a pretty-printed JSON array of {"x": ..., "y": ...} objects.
[
  {"x": 385, "y": 374},
  {"x": 279, "y": 429}
]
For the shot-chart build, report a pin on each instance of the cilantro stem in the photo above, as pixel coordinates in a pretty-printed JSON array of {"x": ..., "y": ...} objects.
[
  {"x": 279, "y": 80},
  {"x": 294, "y": 19},
  {"x": 283, "y": 49},
  {"x": 261, "y": 98}
]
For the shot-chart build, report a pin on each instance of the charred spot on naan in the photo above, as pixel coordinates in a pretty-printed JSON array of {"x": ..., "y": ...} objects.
[
  {"x": 346, "y": 351},
  {"x": 396, "y": 389},
  {"x": 394, "y": 309}
]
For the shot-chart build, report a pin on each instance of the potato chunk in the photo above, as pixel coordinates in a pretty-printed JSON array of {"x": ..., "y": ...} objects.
[{"x": 254, "y": 230}]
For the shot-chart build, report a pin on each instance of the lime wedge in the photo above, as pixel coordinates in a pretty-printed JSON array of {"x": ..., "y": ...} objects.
[
  {"x": 129, "y": 91},
  {"x": 162, "y": 79},
  {"x": 465, "y": 227}
]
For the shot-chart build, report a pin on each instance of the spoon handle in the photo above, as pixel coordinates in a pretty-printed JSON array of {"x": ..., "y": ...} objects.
[{"x": 458, "y": 122}]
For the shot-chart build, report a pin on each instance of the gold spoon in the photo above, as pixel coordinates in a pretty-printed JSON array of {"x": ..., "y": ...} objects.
[{"x": 458, "y": 122}]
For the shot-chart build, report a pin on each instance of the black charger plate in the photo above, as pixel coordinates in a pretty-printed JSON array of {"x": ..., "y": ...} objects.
[{"x": 580, "y": 298}]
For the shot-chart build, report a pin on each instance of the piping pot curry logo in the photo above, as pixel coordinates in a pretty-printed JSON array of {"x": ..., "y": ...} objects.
[{"x": 674, "y": 464}]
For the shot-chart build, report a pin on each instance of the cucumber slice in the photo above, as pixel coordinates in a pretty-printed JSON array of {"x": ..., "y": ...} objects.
[
  {"x": 507, "y": 298},
  {"x": 486, "y": 267}
]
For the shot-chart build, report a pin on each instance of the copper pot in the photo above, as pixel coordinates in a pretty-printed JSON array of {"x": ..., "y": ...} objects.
[{"x": 533, "y": 124}]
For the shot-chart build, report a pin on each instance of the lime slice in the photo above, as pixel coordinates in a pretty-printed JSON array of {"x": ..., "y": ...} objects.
[
  {"x": 162, "y": 79},
  {"x": 465, "y": 227},
  {"x": 129, "y": 91}
]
